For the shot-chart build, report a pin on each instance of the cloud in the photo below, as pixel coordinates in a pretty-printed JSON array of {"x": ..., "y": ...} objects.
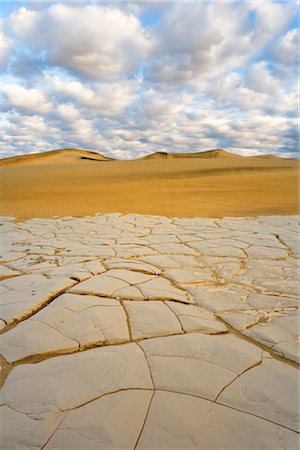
[
  {"x": 260, "y": 79},
  {"x": 130, "y": 79},
  {"x": 286, "y": 50},
  {"x": 104, "y": 98},
  {"x": 92, "y": 40},
  {"x": 5, "y": 46},
  {"x": 31, "y": 100}
]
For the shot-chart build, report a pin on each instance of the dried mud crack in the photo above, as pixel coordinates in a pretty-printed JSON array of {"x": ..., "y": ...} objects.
[{"x": 146, "y": 332}]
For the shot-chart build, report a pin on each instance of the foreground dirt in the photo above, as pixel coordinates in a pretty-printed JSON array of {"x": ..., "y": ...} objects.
[
  {"x": 174, "y": 188},
  {"x": 130, "y": 331}
]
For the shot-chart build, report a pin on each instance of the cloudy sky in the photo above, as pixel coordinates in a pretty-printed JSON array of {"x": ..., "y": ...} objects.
[{"x": 128, "y": 79}]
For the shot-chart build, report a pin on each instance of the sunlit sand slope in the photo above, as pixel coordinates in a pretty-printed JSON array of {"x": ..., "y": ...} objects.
[
  {"x": 79, "y": 183},
  {"x": 54, "y": 157}
]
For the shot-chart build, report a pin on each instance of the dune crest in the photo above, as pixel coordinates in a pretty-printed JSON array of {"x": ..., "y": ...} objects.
[
  {"x": 77, "y": 182},
  {"x": 62, "y": 156},
  {"x": 217, "y": 153},
  {"x": 72, "y": 155}
]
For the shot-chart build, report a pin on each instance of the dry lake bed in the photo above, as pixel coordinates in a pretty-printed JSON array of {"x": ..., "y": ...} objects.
[{"x": 133, "y": 331}]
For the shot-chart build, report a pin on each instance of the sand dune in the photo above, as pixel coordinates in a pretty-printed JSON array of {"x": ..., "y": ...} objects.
[
  {"x": 218, "y": 153},
  {"x": 75, "y": 182},
  {"x": 54, "y": 157}
]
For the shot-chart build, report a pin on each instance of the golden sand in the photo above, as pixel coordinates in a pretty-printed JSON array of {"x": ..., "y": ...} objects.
[{"x": 63, "y": 183}]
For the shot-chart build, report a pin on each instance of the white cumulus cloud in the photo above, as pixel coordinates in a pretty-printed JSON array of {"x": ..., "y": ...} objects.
[{"x": 93, "y": 40}]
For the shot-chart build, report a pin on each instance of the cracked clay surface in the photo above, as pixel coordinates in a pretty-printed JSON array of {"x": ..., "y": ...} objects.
[{"x": 143, "y": 332}]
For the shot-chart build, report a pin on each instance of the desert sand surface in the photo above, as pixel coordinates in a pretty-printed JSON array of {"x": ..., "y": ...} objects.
[
  {"x": 212, "y": 184},
  {"x": 143, "y": 332}
]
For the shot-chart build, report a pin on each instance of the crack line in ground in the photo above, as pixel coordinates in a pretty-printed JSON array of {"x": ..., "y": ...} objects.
[
  {"x": 257, "y": 363},
  {"x": 227, "y": 406},
  {"x": 145, "y": 420},
  {"x": 33, "y": 311}
]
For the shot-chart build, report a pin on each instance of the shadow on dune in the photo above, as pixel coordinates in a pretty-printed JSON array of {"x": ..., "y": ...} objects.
[{"x": 93, "y": 159}]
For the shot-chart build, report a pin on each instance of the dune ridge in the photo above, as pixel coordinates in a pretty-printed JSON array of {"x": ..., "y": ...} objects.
[
  {"x": 78, "y": 183},
  {"x": 217, "y": 153},
  {"x": 55, "y": 156},
  {"x": 69, "y": 155}
]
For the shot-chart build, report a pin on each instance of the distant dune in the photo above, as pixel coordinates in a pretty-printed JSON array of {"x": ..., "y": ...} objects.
[
  {"x": 65, "y": 155},
  {"x": 70, "y": 155},
  {"x": 218, "y": 153},
  {"x": 203, "y": 184}
]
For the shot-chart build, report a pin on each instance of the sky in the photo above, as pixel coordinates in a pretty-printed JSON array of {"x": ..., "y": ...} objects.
[{"x": 129, "y": 79}]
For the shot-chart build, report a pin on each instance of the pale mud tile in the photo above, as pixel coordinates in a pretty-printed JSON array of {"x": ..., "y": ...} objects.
[
  {"x": 13, "y": 247},
  {"x": 190, "y": 275},
  {"x": 21, "y": 431},
  {"x": 198, "y": 364},
  {"x": 119, "y": 263},
  {"x": 67, "y": 260},
  {"x": 225, "y": 251},
  {"x": 226, "y": 269},
  {"x": 151, "y": 318},
  {"x": 95, "y": 240},
  {"x": 79, "y": 303},
  {"x": 160, "y": 288},
  {"x": 195, "y": 318},
  {"x": 242, "y": 320},
  {"x": 162, "y": 261},
  {"x": 242, "y": 225},
  {"x": 219, "y": 298},
  {"x": 101, "y": 251},
  {"x": 41, "y": 250},
  {"x": 114, "y": 421},
  {"x": 67, "y": 323},
  {"x": 262, "y": 240},
  {"x": 133, "y": 251},
  {"x": 16, "y": 236},
  {"x": 7, "y": 257},
  {"x": 60, "y": 243},
  {"x": 30, "y": 263},
  {"x": 74, "y": 380},
  {"x": 78, "y": 271},
  {"x": 185, "y": 237},
  {"x": 167, "y": 229},
  {"x": 94, "y": 267},
  {"x": 269, "y": 391},
  {"x": 131, "y": 240},
  {"x": 6, "y": 272},
  {"x": 162, "y": 239},
  {"x": 28, "y": 293},
  {"x": 271, "y": 276},
  {"x": 173, "y": 249},
  {"x": 32, "y": 337},
  {"x": 290, "y": 239},
  {"x": 216, "y": 235},
  {"x": 261, "y": 252},
  {"x": 187, "y": 261},
  {"x": 99, "y": 285},
  {"x": 194, "y": 223},
  {"x": 41, "y": 268},
  {"x": 4, "y": 219},
  {"x": 182, "y": 421},
  {"x": 280, "y": 333},
  {"x": 223, "y": 241},
  {"x": 280, "y": 221},
  {"x": 130, "y": 292},
  {"x": 271, "y": 302},
  {"x": 130, "y": 276}
]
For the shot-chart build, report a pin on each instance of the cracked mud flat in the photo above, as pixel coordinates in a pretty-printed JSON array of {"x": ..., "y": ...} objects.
[{"x": 131, "y": 331}]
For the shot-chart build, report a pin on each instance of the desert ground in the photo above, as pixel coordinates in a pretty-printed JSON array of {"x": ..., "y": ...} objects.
[
  {"x": 143, "y": 332},
  {"x": 121, "y": 329},
  {"x": 77, "y": 183}
]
